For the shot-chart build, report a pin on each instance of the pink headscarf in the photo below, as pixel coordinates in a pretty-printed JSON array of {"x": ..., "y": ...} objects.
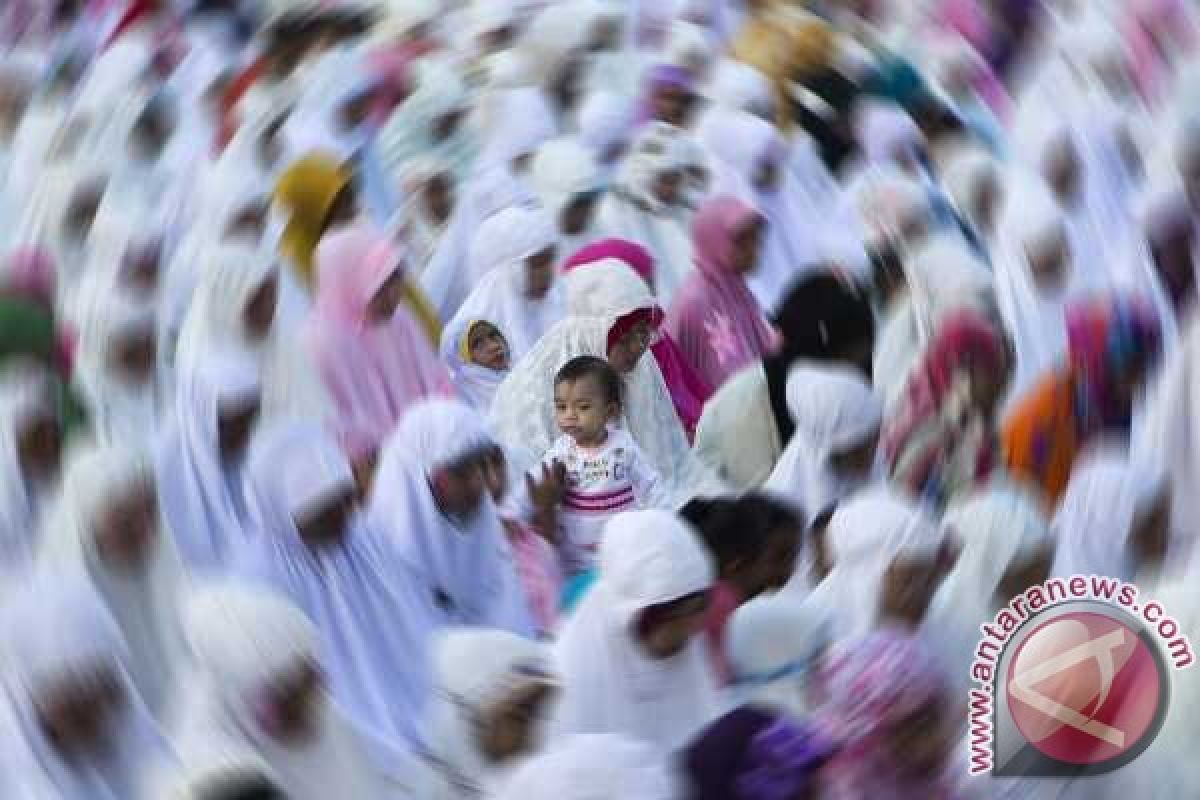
[
  {"x": 1146, "y": 21},
  {"x": 715, "y": 318},
  {"x": 689, "y": 392},
  {"x": 31, "y": 274},
  {"x": 373, "y": 371}
]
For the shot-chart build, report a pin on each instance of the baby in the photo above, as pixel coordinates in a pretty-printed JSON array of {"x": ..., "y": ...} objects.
[{"x": 602, "y": 471}]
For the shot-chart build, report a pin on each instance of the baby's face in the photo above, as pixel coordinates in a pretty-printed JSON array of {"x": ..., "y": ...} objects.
[{"x": 581, "y": 410}]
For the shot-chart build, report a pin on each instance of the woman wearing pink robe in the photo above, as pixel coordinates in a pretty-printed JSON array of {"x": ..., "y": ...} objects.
[
  {"x": 715, "y": 319},
  {"x": 373, "y": 357}
]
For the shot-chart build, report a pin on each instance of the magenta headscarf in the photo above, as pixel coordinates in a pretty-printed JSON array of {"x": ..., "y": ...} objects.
[
  {"x": 688, "y": 390},
  {"x": 373, "y": 372},
  {"x": 1145, "y": 21},
  {"x": 714, "y": 318}
]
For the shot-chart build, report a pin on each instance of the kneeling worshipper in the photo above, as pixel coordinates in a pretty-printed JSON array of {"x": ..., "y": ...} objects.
[
  {"x": 72, "y": 726},
  {"x": 256, "y": 684},
  {"x": 310, "y": 543},
  {"x": 631, "y": 657}
]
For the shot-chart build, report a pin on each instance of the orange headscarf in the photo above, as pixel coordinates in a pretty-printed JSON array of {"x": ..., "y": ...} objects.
[{"x": 306, "y": 193}]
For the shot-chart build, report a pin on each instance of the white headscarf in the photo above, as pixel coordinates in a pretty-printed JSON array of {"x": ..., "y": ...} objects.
[
  {"x": 364, "y": 598},
  {"x": 605, "y": 122},
  {"x": 476, "y": 668},
  {"x": 834, "y": 410},
  {"x": 523, "y": 408},
  {"x": 563, "y": 170},
  {"x": 245, "y": 639},
  {"x": 474, "y": 384},
  {"x": 142, "y": 602},
  {"x": 466, "y": 564},
  {"x": 201, "y": 494},
  {"x": 590, "y": 767},
  {"x": 410, "y": 133},
  {"x": 775, "y": 644},
  {"x": 740, "y": 87},
  {"x": 647, "y": 558},
  {"x": 57, "y": 630},
  {"x": 25, "y": 396}
]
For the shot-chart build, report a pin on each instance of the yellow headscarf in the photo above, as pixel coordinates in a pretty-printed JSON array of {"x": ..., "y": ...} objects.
[
  {"x": 783, "y": 45},
  {"x": 306, "y": 192},
  {"x": 423, "y": 310}
]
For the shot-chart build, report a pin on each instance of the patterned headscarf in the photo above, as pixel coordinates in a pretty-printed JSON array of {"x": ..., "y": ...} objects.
[{"x": 1106, "y": 336}]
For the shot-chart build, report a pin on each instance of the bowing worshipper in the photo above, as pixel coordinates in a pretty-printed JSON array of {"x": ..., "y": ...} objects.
[
  {"x": 493, "y": 689},
  {"x": 107, "y": 526},
  {"x": 568, "y": 183},
  {"x": 371, "y": 353},
  {"x": 311, "y": 544},
  {"x": 942, "y": 437},
  {"x": 1008, "y": 545},
  {"x": 432, "y": 497},
  {"x": 688, "y": 391},
  {"x": 890, "y": 711},
  {"x": 611, "y": 315},
  {"x": 584, "y": 766},
  {"x": 1113, "y": 342},
  {"x": 646, "y": 204},
  {"x": 776, "y": 646},
  {"x": 832, "y": 454},
  {"x": 73, "y": 726},
  {"x": 256, "y": 684},
  {"x": 714, "y": 317},
  {"x": 513, "y": 260},
  {"x": 746, "y": 425},
  {"x": 755, "y": 753},
  {"x": 201, "y": 458},
  {"x": 32, "y": 435},
  {"x": 631, "y": 659}
]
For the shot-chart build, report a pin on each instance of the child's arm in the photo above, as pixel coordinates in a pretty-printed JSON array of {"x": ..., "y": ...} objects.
[{"x": 545, "y": 496}]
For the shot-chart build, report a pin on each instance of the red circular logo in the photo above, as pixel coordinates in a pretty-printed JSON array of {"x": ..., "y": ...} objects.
[{"x": 1084, "y": 688}]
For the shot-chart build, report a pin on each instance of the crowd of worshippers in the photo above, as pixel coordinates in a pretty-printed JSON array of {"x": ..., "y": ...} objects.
[{"x": 580, "y": 399}]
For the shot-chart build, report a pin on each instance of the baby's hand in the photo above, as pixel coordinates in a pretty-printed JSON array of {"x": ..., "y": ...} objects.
[{"x": 547, "y": 492}]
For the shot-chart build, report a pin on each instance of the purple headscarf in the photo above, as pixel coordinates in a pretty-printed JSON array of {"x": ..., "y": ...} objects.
[
  {"x": 657, "y": 78},
  {"x": 751, "y": 754}
]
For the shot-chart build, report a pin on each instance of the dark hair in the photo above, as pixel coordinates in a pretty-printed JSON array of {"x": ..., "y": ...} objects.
[
  {"x": 596, "y": 368},
  {"x": 731, "y": 529},
  {"x": 256, "y": 787}
]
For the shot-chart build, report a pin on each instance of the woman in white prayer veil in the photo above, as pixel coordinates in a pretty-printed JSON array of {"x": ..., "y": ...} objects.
[
  {"x": 200, "y": 456},
  {"x": 568, "y": 182},
  {"x": 1007, "y": 547},
  {"x": 513, "y": 260},
  {"x": 591, "y": 766},
  {"x": 1036, "y": 276},
  {"x": 605, "y": 122},
  {"x": 832, "y": 452},
  {"x": 630, "y": 657},
  {"x": 647, "y": 204},
  {"x": 775, "y": 646},
  {"x": 612, "y": 315},
  {"x": 107, "y": 525},
  {"x": 486, "y": 716},
  {"x": 72, "y": 726},
  {"x": 311, "y": 544},
  {"x": 30, "y": 456},
  {"x": 433, "y": 122},
  {"x": 257, "y": 683}
]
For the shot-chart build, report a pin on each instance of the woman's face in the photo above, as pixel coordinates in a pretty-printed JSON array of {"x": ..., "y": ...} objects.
[
  {"x": 446, "y": 125},
  {"x": 291, "y": 711},
  {"x": 248, "y": 222},
  {"x": 495, "y": 473},
  {"x": 487, "y": 347},
  {"x": 576, "y": 217},
  {"x": 747, "y": 243},
  {"x": 126, "y": 528},
  {"x": 259, "y": 312},
  {"x": 140, "y": 268},
  {"x": 387, "y": 297},
  {"x": 460, "y": 488},
  {"x": 509, "y": 728},
  {"x": 986, "y": 203},
  {"x": 629, "y": 349},
  {"x": 326, "y": 525},
  {"x": 568, "y": 85},
  {"x": 437, "y": 197},
  {"x": 1063, "y": 171},
  {"x": 539, "y": 273},
  {"x": 235, "y": 425},
  {"x": 856, "y": 462},
  {"x": 1176, "y": 266},
  {"x": 667, "y": 186},
  {"x": 39, "y": 447},
  {"x": 766, "y": 175},
  {"x": 133, "y": 356},
  {"x": 81, "y": 211},
  {"x": 1025, "y": 572},
  {"x": 674, "y": 627},
  {"x": 673, "y": 105},
  {"x": 77, "y": 716},
  {"x": 1150, "y": 537},
  {"x": 1049, "y": 259}
]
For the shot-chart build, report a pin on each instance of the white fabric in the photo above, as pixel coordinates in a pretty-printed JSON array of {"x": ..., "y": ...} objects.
[
  {"x": 737, "y": 436},
  {"x": 474, "y": 384},
  {"x": 142, "y": 603},
  {"x": 57, "y": 630},
  {"x": 202, "y": 496},
  {"x": 648, "y": 558},
  {"x": 775, "y": 644},
  {"x": 244, "y": 639},
  {"x": 562, "y": 170},
  {"x": 523, "y": 409},
  {"x": 590, "y": 767},
  {"x": 410, "y": 133},
  {"x": 25, "y": 396},
  {"x": 476, "y": 669},
  {"x": 834, "y": 410}
]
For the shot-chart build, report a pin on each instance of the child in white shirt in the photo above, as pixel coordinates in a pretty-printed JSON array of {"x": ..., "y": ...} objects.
[{"x": 601, "y": 468}]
